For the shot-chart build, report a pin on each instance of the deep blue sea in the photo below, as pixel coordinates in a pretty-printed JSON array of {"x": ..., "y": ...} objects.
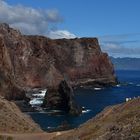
[{"x": 94, "y": 100}]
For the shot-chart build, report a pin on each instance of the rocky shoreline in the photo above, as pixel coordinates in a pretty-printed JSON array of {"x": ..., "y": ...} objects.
[
  {"x": 115, "y": 122},
  {"x": 60, "y": 99},
  {"x": 30, "y": 62}
]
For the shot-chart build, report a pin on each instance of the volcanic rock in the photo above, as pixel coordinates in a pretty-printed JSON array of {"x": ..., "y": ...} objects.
[
  {"x": 35, "y": 61},
  {"x": 62, "y": 99}
]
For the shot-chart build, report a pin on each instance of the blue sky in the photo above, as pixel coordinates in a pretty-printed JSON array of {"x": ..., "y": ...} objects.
[{"x": 114, "y": 22}]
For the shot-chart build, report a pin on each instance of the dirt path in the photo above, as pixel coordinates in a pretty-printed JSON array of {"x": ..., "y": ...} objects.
[{"x": 30, "y": 136}]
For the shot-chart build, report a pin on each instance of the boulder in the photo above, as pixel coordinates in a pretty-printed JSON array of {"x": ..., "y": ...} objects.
[{"x": 62, "y": 99}]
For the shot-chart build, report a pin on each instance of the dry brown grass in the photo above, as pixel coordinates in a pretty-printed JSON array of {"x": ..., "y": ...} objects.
[
  {"x": 116, "y": 122},
  {"x": 13, "y": 120}
]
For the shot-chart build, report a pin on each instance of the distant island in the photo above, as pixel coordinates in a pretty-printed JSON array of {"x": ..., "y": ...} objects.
[{"x": 126, "y": 63}]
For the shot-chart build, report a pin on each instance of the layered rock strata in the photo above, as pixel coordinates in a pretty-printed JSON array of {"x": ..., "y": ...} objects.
[{"x": 37, "y": 61}]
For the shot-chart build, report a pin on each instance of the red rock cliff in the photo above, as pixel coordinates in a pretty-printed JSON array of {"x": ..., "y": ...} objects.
[{"x": 37, "y": 61}]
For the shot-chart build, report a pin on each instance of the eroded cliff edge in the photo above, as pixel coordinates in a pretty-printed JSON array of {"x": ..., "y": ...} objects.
[{"x": 37, "y": 61}]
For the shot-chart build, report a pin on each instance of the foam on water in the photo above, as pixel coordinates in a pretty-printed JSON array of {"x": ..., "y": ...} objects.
[
  {"x": 118, "y": 85},
  {"x": 86, "y": 111},
  {"x": 97, "y": 88}
]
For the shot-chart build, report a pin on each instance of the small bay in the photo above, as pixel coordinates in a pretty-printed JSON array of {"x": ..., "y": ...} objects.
[{"x": 93, "y": 100}]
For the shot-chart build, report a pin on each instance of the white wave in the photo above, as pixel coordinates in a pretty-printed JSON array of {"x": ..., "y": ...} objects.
[
  {"x": 86, "y": 111},
  {"x": 40, "y": 94},
  {"x": 50, "y": 127},
  {"x": 97, "y": 88},
  {"x": 118, "y": 85},
  {"x": 36, "y": 101},
  {"x": 130, "y": 83},
  {"x": 83, "y": 107}
]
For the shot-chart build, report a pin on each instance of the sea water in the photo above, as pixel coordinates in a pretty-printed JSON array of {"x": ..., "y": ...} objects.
[{"x": 94, "y": 100}]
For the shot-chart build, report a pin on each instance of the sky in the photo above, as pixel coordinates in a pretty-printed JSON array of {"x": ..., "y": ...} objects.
[{"x": 115, "y": 22}]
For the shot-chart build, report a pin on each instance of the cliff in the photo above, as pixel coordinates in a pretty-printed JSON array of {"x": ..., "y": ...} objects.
[
  {"x": 37, "y": 61},
  {"x": 119, "y": 122}
]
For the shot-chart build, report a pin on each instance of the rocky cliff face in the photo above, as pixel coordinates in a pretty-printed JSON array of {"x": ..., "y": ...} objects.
[
  {"x": 8, "y": 86},
  {"x": 62, "y": 99},
  {"x": 37, "y": 61}
]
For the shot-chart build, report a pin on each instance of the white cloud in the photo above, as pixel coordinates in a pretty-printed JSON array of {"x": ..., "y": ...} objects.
[
  {"x": 60, "y": 34},
  {"x": 53, "y": 16},
  {"x": 121, "y": 45},
  {"x": 29, "y": 20}
]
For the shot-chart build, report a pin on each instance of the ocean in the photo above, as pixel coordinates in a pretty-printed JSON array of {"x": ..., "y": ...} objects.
[{"x": 94, "y": 101}]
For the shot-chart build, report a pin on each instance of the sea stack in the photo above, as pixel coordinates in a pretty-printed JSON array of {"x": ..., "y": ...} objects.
[{"x": 62, "y": 99}]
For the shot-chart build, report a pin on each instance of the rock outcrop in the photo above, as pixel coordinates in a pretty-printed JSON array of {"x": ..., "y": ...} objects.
[
  {"x": 37, "y": 61},
  {"x": 119, "y": 122},
  {"x": 62, "y": 99},
  {"x": 8, "y": 86}
]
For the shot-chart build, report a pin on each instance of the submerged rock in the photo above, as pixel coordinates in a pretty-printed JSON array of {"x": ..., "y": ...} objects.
[{"x": 62, "y": 99}]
